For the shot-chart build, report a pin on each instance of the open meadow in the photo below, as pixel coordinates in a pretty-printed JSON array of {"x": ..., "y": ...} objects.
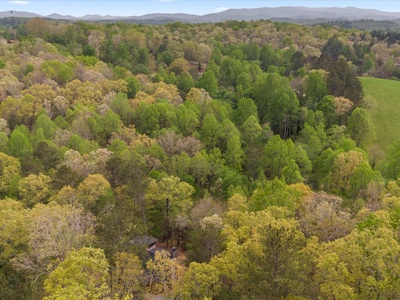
[{"x": 385, "y": 114}]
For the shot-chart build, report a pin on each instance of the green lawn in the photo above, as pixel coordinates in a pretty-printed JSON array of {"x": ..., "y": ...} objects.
[{"x": 386, "y": 114}]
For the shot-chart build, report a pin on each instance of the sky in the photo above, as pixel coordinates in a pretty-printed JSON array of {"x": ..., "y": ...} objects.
[{"x": 79, "y": 8}]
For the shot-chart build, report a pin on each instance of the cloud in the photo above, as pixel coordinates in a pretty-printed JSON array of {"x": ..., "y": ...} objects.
[
  {"x": 221, "y": 8},
  {"x": 163, "y": 1},
  {"x": 18, "y": 2}
]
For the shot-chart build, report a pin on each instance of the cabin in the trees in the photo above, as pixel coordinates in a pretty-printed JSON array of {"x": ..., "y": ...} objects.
[
  {"x": 150, "y": 243},
  {"x": 147, "y": 241}
]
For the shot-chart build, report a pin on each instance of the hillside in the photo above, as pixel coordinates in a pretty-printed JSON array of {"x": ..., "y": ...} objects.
[{"x": 385, "y": 114}]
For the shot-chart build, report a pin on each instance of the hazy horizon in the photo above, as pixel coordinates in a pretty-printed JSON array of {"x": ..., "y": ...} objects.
[{"x": 140, "y": 7}]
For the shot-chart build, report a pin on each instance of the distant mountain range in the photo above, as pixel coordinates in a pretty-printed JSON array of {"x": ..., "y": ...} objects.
[{"x": 288, "y": 12}]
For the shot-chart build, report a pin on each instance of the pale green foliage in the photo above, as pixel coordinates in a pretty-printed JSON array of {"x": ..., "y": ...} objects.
[
  {"x": 349, "y": 267},
  {"x": 127, "y": 275},
  {"x": 201, "y": 281},
  {"x": 57, "y": 71},
  {"x": 34, "y": 189},
  {"x": 165, "y": 274},
  {"x": 237, "y": 202},
  {"x": 172, "y": 190},
  {"x": 82, "y": 275},
  {"x": 266, "y": 234},
  {"x": 187, "y": 117},
  {"x": 273, "y": 193},
  {"x": 350, "y": 173},
  {"x": 67, "y": 195},
  {"x": 92, "y": 189},
  {"x": 262, "y": 254},
  {"x": 198, "y": 95},
  {"x": 276, "y": 102},
  {"x": 200, "y": 167},
  {"x": 14, "y": 231},
  {"x": 9, "y": 168}
]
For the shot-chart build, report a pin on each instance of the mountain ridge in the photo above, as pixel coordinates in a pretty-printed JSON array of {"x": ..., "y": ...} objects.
[{"x": 243, "y": 14}]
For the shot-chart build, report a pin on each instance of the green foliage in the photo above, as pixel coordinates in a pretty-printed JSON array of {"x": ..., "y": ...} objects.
[
  {"x": 133, "y": 86},
  {"x": 211, "y": 132},
  {"x": 361, "y": 128},
  {"x": 58, "y": 71},
  {"x": 34, "y": 189},
  {"x": 87, "y": 60},
  {"x": 245, "y": 109},
  {"x": 283, "y": 159},
  {"x": 343, "y": 81},
  {"x": 121, "y": 106},
  {"x": 201, "y": 282},
  {"x": 147, "y": 117},
  {"x": 81, "y": 145},
  {"x": 82, "y": 275},
  {"x": 277, "y": 103},
  {"x": 273, "y": 193},
  {"x": 44, "y": 123},
  {"x": 391, "y": 164},
  {"x": 48, "y": 153},
  {"x": 87, "y": 50},
  {"x": 172, "y": 196},
  {"x": 126, "y": 275},
  {"x": 229, "y": 70},
  {"x": 19, "y": 145},
  {"x": 334, "y": 48},
  {"x": 316, "y": 88},
  {"x": 209, "y": 82},
  {"x": 188, "y": 118},
  {"x": 184, "y": 150}
]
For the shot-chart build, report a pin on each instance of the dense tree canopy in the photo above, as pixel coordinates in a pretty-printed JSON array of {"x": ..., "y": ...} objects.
[{"x": 245, "y": 148}]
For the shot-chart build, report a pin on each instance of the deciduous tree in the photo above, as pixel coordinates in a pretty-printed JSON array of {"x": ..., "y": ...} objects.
[
  {"x": 172, "y": 197},
  {"x": 82, "y": 275}
]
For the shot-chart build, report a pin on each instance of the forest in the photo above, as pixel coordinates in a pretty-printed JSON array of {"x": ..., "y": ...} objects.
[{"x": 246, "y": 147}]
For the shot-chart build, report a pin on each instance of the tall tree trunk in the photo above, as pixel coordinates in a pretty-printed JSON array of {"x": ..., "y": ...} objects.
[{"x": 166, "y": 225}]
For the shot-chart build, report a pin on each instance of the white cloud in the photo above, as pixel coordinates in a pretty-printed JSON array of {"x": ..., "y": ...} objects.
[
  {"x": 18, "y": 2},
  {"x": 221, "y": 8}
]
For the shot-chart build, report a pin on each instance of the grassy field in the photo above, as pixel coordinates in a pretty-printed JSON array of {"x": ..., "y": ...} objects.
[{"x": 386, "y": 114}]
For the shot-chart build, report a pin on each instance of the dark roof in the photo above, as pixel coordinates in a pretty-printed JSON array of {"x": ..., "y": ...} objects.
[
  {"x": 154, "y": 249},
  {"x": 144, "y": 240}
]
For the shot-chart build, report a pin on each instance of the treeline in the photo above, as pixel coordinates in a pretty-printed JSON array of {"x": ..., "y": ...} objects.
[
  {"x": 141, "y": 48},
  {"x": 247, "y": 145},
  {"x": 365, "y": 24}
]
